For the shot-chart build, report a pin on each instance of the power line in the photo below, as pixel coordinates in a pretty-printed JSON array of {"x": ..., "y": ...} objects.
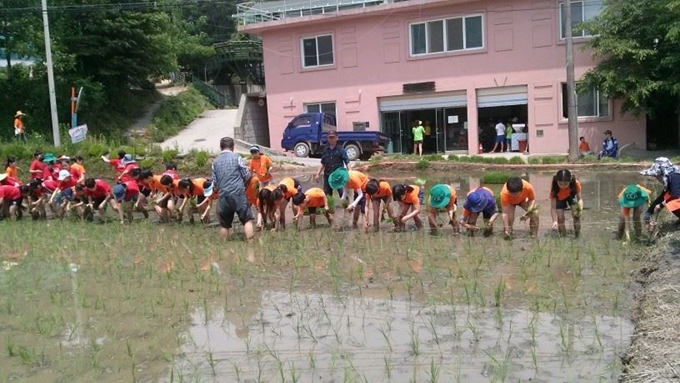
[{"x": 137, "y": 6}]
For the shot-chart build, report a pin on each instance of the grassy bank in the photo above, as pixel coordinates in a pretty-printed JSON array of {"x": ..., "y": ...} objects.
[
  {"x": 654, "y": 355},
  {"x": 176, "y": 112}
]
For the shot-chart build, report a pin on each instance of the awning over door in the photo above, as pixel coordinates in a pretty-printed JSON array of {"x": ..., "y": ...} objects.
[
  {"x": 502, "y": 96},
  {"x": 402, "y": 103}
]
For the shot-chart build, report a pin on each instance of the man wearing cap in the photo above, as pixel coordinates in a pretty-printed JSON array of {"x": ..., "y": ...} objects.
[
  {"x": 260, "y": 165},
  {"x": 479, "y": 201},
  {"x": 610, "y": 146},
  {"x": 442, "y": 197},
  {"x": 230, "y": 176},
  {"x": 333, "y": 157},
  {"x": 19, "y": 128}
]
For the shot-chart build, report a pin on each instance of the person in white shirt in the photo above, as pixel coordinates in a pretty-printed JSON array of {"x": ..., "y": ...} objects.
[{"x": 500, "y": 135}]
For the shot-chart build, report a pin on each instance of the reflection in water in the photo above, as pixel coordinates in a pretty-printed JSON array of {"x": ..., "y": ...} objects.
[{"x": 321, "y": 338}]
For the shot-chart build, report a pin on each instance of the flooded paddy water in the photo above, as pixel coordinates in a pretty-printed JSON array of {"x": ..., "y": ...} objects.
[{"x": 82, "y": 302}]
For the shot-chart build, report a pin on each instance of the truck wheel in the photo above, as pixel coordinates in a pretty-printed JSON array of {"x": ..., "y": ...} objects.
[
  {"x": 301, "y": 150},
  {"x": 353, "y": 152}
]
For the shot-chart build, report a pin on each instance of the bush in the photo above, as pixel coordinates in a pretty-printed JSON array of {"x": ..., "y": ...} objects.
[
  {"x": 495, "y": 177},
  {"x": 169, "y": 155},
  {"x": 422, "y": 164},
  {"x": 516, "y": 161},
  {"x": 201, "y": 158},
  {"x": 176, "y": 112},
  {"x": 147, "y": 163}
]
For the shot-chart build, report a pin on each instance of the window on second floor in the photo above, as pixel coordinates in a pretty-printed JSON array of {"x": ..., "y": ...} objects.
[
  {"x": 449, "y": 35},
  {"x": 590, "y": 103},
  {"x": 321, "y": 107},
  {"x": 581, "y": 12},
  {"x": 317, "y": 51}
]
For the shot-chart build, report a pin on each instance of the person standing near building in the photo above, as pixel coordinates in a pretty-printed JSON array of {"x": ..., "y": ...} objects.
[
  {"x": 230, "y": 174},
  {"x": 508, "y": 136},
  {"x": 418, "y": 132},
  {"x": 500, "y": 135},
  {"x": 19, "y": 128},
  {"x": 333, "y": 157}
]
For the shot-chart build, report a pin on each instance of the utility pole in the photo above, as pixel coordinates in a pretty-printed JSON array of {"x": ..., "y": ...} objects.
[
  {"x": 50, "y": 76},
  {"x": 572, "y": 113}
]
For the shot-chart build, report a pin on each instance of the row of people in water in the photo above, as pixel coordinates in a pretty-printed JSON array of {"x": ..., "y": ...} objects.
[{"x": 68, "y": 190}]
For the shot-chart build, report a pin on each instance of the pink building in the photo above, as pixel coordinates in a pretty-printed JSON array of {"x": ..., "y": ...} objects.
[{"x": 460, "y": 66}]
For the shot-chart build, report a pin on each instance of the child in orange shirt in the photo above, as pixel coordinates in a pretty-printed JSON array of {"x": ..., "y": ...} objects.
[
  {"x": 12, "y": 170},
  {"x": 260, "y": 166},
  {"x": 311, "y": 200},
  {"x": 379, "y": 191},
  {"x": 518, "y": 192},
  {"x": 632, "y": 197},
  {"x": 270, "y": 199},
  {"x": 410, "y": 197},
  {"x": 565, "y": 191}
]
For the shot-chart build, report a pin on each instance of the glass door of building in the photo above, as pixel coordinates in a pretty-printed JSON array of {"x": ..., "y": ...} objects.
[{"x": 391, "y": 126}]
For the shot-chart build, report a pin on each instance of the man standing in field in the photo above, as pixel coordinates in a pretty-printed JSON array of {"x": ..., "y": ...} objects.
[
  {"x": 19, "y": 128},
  {"x": 333, "y": 157},
  {"x": 230, "y": 175}
]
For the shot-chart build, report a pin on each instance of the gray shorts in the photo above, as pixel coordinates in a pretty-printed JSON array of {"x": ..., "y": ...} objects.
[{"x": 230, "y": 205}]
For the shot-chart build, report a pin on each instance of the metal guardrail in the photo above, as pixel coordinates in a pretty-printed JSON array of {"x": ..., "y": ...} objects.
[
  {"x": 216, "y": 97},
  {"x": 251, "y": 12}
]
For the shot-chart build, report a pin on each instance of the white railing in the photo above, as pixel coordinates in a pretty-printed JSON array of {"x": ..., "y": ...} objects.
[{"x": 258, "y": 12}]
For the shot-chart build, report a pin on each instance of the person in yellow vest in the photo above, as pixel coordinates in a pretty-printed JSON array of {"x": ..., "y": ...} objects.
[{"x": 19, "y": 128}]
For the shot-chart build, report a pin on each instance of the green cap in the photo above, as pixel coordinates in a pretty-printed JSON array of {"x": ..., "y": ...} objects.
[
  {"x": 49, "y": 157},
  {"x": 633, "y": 196},
  {"x": 338, "y": 179},
  {"x": 440, "y": 196}
]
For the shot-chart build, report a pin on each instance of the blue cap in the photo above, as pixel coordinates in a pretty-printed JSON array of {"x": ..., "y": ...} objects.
[
  {"x": 476, "y": 202},
  {"x": 119, "y": 192}
]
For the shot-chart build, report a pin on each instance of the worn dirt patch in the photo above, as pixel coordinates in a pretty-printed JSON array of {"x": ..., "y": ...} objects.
[{"x": 654, "y": 355}]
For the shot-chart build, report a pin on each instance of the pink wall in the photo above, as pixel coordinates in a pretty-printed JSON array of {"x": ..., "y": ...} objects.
[{"x": 371, "y": 49}]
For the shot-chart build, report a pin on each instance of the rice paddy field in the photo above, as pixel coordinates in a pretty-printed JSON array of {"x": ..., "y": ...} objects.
[{"x": 85, "y": 302}]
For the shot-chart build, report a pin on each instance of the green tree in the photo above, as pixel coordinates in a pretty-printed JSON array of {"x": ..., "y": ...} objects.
[
  {"x": 19, "y": 31},
  {"x": 638, "y": 45}
]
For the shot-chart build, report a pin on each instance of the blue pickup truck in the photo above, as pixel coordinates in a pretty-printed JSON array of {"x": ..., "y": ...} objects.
[{"x": 306, "y": 135}]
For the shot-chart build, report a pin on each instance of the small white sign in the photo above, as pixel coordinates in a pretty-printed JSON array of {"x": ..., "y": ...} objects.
[
  {"x": 453, "y": 119},
  {"x": 79, "y": 133}
]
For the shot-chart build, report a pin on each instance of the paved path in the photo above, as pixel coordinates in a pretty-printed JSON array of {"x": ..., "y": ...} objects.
[{"x": 204, "y": 133}]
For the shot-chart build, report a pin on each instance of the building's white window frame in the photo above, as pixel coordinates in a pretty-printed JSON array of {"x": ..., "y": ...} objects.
[
  {"x": 583, "y": 4},
  {"x": 598, "y": 109},
  {"x": 320, "y": 106},
  {"x": 445, "y": 35},
  {"x": 318, "y": 57}
]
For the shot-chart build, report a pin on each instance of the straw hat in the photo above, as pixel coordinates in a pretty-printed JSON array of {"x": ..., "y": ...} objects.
[{"x": 19, "y": 114}]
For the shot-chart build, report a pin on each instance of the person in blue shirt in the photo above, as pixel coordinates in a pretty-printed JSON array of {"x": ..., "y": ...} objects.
[{"x": 610, "y": 146}]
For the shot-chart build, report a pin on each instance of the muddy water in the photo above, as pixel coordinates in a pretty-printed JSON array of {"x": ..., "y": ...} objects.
[
  {"x": 170, "y": 303},
  {"x": 361, "y": 335},
  {"x": 323, "y": 338}
]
